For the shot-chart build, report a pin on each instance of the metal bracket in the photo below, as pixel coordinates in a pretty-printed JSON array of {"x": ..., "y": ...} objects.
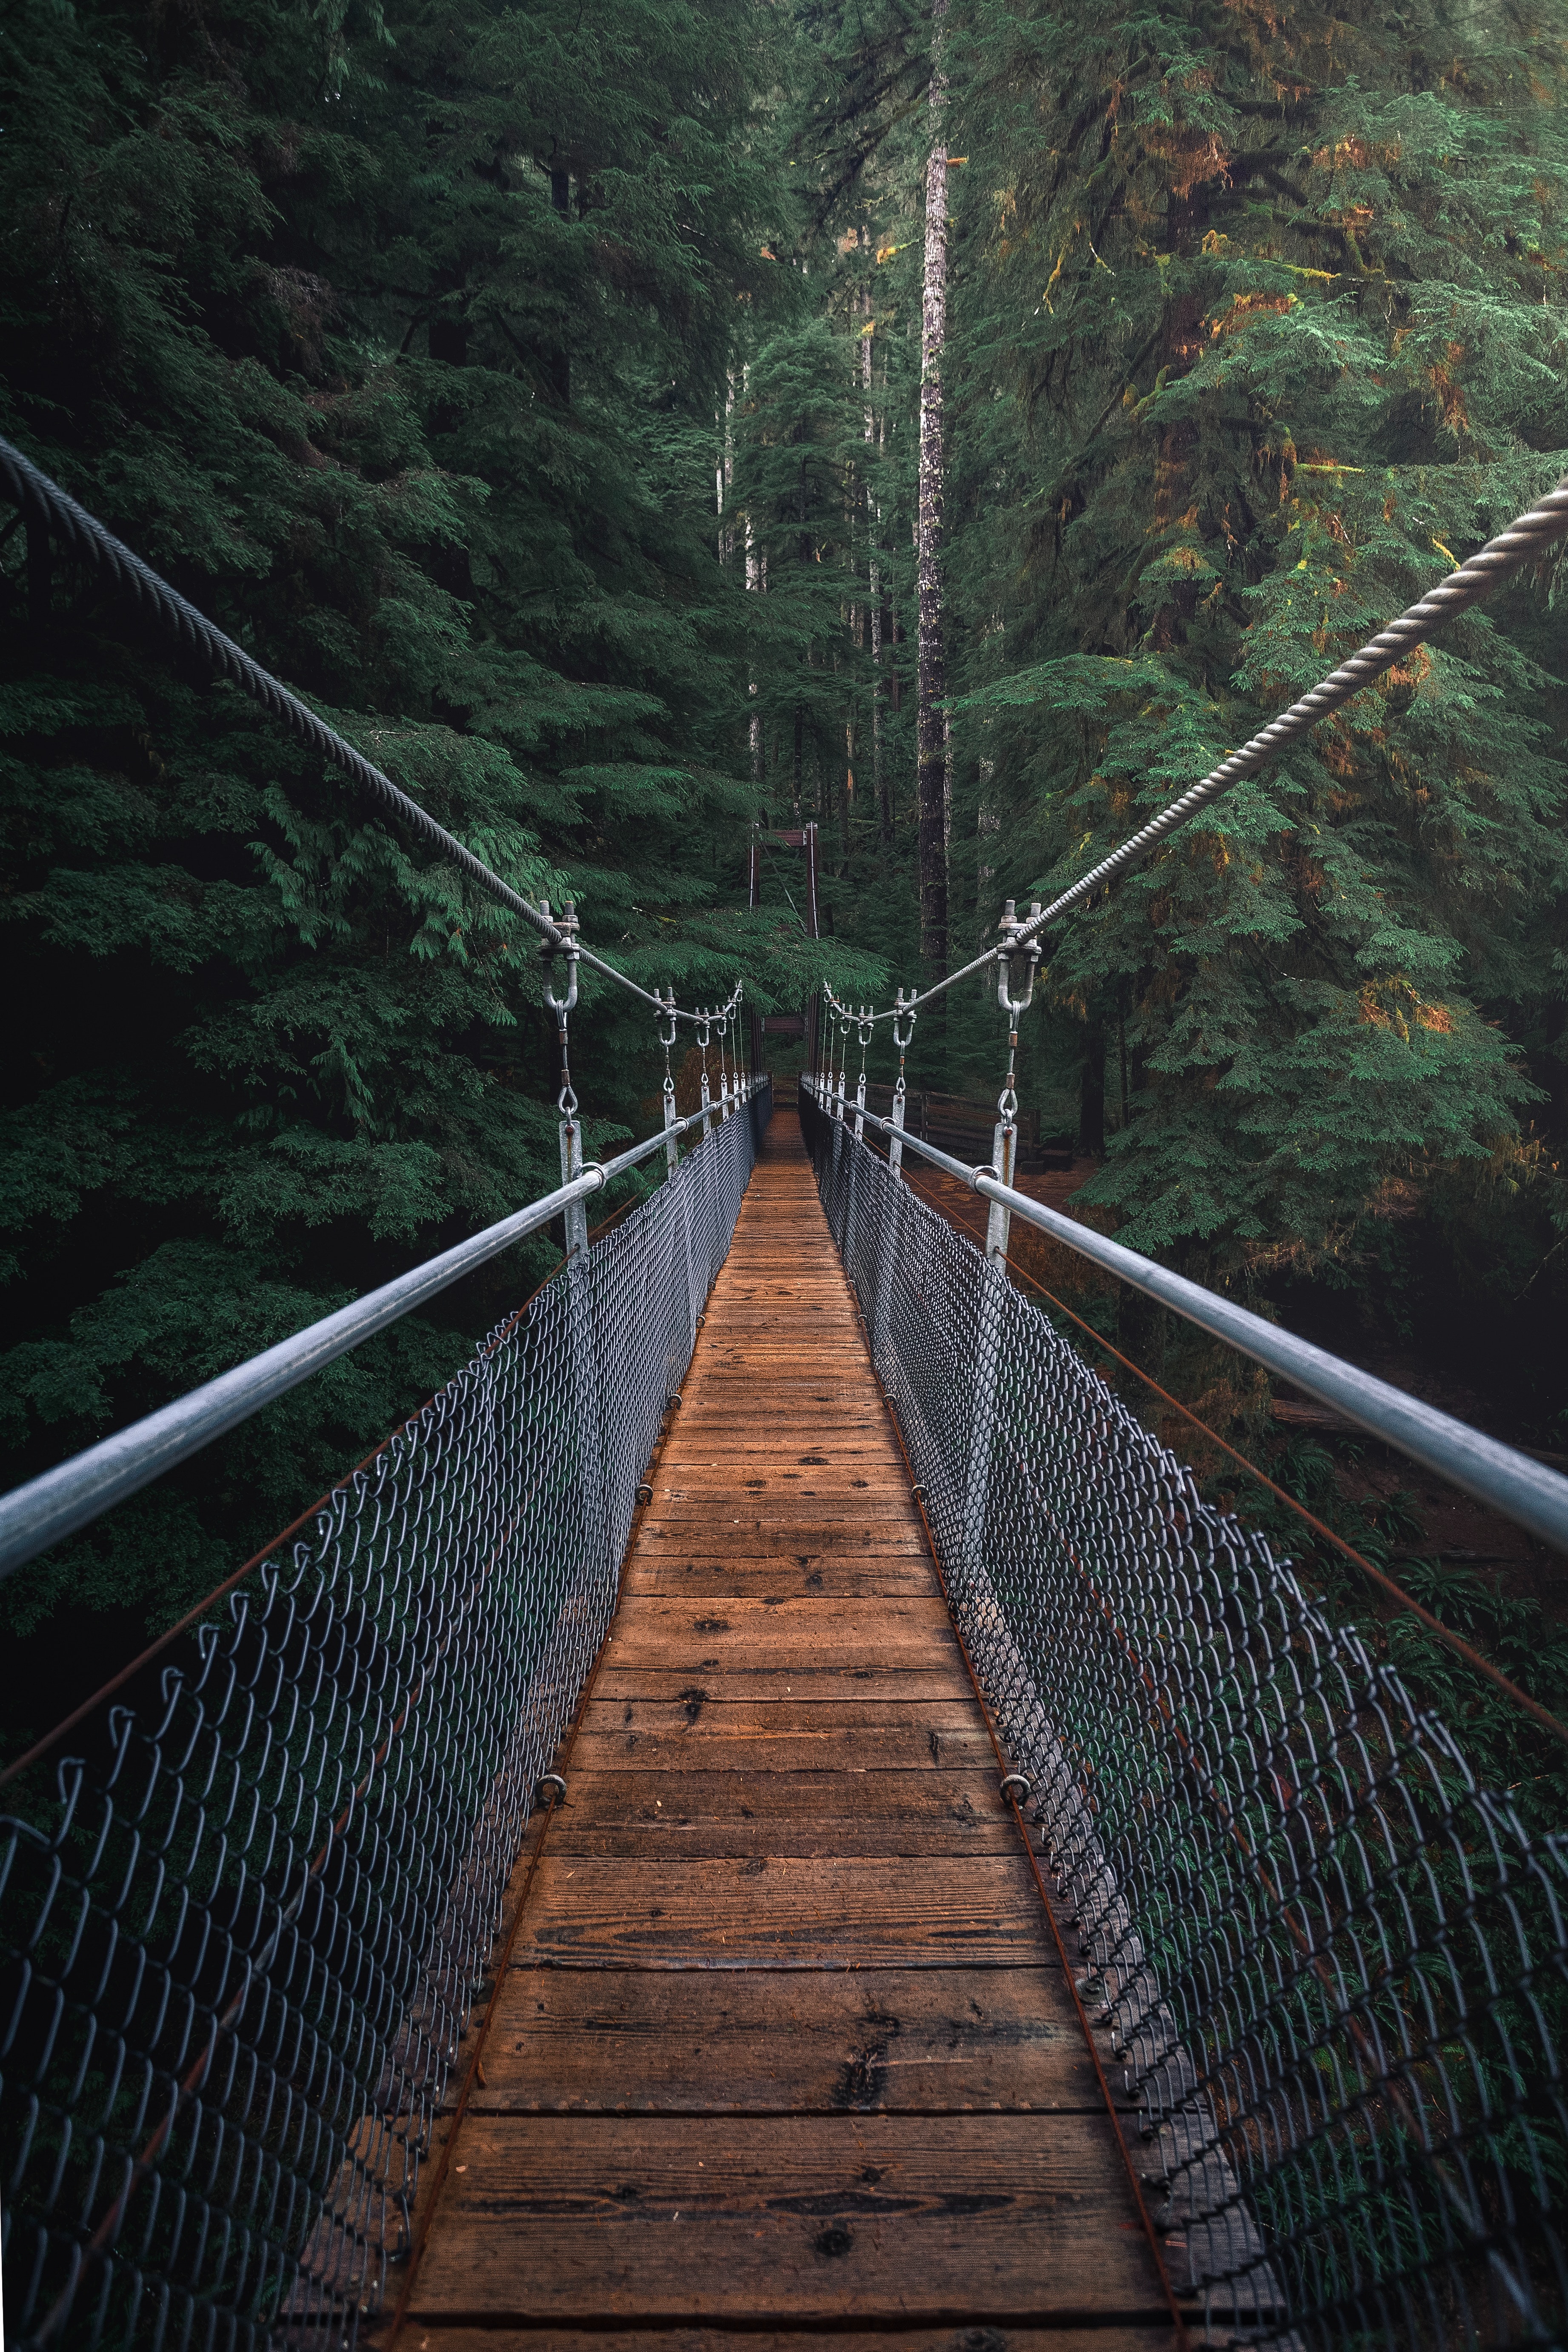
[
  {"x": 1018, "y": 1780},
  {"x": 567, "y": 922},
  {"x": 549, "y": 1781},
  {"x": 904, "y": 1019},
  {"x": 1010, "y": 926}
]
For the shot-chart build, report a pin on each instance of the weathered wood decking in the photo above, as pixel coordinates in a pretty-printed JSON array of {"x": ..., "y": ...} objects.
[{"x": 786, "y": 2049}]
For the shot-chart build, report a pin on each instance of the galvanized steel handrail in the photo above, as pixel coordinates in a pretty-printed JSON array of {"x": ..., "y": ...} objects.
[
  {"x": 247, "y": 1907},
  {"x": 68, "y": 1498},
  {"x": 1528, "y": 1493},
  {"x": 1325, "y": 1928}
]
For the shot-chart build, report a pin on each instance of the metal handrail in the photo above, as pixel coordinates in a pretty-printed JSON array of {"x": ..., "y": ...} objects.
[
  {"x": 1527, "y": 1492},
  {"x": 68, "y": 1498}
]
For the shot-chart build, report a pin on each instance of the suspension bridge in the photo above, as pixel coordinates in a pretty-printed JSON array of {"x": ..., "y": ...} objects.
[{"x": 772, "y": 1808}]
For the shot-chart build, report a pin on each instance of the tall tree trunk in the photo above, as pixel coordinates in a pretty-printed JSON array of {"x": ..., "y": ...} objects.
[
  {"x": 756, "y": 582},
  {"x": 874, "y": 579},
  {"x": 930, "y": 723}
]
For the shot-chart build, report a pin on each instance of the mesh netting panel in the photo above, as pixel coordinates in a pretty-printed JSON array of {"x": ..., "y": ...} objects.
[
  {"x": 245, "y": 1918},
  {"x": 1332, "y": 1965}
]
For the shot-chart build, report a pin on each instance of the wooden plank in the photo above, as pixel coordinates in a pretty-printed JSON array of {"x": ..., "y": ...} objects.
[
  {"x": 435, "y": 2337},
  {"x": 750, "y": 1538},
  {"x": 917, "y": 1620},
  {"x": 787, "y": 2046},
  {"x": 818, "y": 1577},
  {"x": 804, "y": 1674},
  {"x": 781, "y": 1626},
  {"x": 779, "y": 1911},
  {"x": 675, "y": 1815},
  {"x": 786, "y": 2218},
  {"x": 845, "y": 1752},
  {"x": 696, "y": 1715},
  {"x": 898, "y": 2040}
]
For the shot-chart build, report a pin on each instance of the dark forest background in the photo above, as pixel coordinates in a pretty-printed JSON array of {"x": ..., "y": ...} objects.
[{"x": 535, "y": 388}]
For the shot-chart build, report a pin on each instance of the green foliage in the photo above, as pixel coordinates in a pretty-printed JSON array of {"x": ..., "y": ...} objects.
[
  {"x": 395, "y": 337},
  {"x": 1259, "y": 330}
]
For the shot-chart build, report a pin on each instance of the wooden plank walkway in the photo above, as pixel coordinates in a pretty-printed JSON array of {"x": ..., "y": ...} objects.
[{"x": 784, "y": 2050}]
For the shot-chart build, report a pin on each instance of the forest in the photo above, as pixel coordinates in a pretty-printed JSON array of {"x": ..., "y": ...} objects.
[{"x": 648, "y": 428}]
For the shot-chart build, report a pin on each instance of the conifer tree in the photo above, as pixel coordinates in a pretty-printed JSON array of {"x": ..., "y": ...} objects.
[
  {"x": 395, "y": 339},
  {"x": 1261, "y": 331}
]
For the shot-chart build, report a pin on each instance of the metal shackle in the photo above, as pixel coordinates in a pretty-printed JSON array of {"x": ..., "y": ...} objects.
[
  {"x": 904, "y": 1019},
  {"x": 1010, "y": 926},
  {"x": 568, "y": 923}
]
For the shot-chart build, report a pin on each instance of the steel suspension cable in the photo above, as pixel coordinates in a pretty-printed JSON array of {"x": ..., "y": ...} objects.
[
  {"x": 44, "y": 505},
  {"x": 1529, "y": 535}
]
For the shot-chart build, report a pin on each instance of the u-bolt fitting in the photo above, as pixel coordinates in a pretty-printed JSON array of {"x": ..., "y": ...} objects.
[
  {"x": 1010, "y": 926},
  {"x": 904, "y": 1018},
  {"x": 549, "y": 949}
]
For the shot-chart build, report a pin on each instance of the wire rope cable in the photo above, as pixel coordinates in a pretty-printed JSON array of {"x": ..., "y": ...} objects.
[
  {"x": 43, "y": 503},
  {"x": 1529, "y": 535}
]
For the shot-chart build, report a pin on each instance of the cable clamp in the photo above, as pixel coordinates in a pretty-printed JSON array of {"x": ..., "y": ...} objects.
[
  {"x": 904, "y": 1018},
  {"x": 1018, "y": 1780},
  {"x": 548, "y": 951},
  {"x": 550, "y": 1780},
  {"x": 1031, "y": 951},
  {"x": 976, "y": 1173}
]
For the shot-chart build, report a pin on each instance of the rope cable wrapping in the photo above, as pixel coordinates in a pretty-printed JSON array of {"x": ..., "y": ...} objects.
[
  {"x": 1531, "y": 535},
  {"x": 247, "y": 1907},
  {"x": 37, "y": 495},
  {"x": 1332, "y": 1962}
]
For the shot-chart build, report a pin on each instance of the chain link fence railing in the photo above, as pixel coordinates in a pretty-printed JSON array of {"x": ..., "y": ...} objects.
[
  {"x": 1334, "y": 1966},
  {"x": 243, "y": 1918}
]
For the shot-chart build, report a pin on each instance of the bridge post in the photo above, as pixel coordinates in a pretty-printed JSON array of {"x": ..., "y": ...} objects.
[
  {"x": 588, "y": 1383},
  {"x": 998, "y": 1223},
  {"x": 889, "y": 1241},
  {"x": 994, "y": 1288},
  {"x": 575, "y": 1213}
]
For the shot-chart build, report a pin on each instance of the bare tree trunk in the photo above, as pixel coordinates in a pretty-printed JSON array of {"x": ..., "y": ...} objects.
[
  {"x": 725, "y": 477},
  {"x": 874, "y": 578},
  {"x": 930, "y": 722},
  {"x": 756, "y": 581},
  {"x": 756, "y": 584}
]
